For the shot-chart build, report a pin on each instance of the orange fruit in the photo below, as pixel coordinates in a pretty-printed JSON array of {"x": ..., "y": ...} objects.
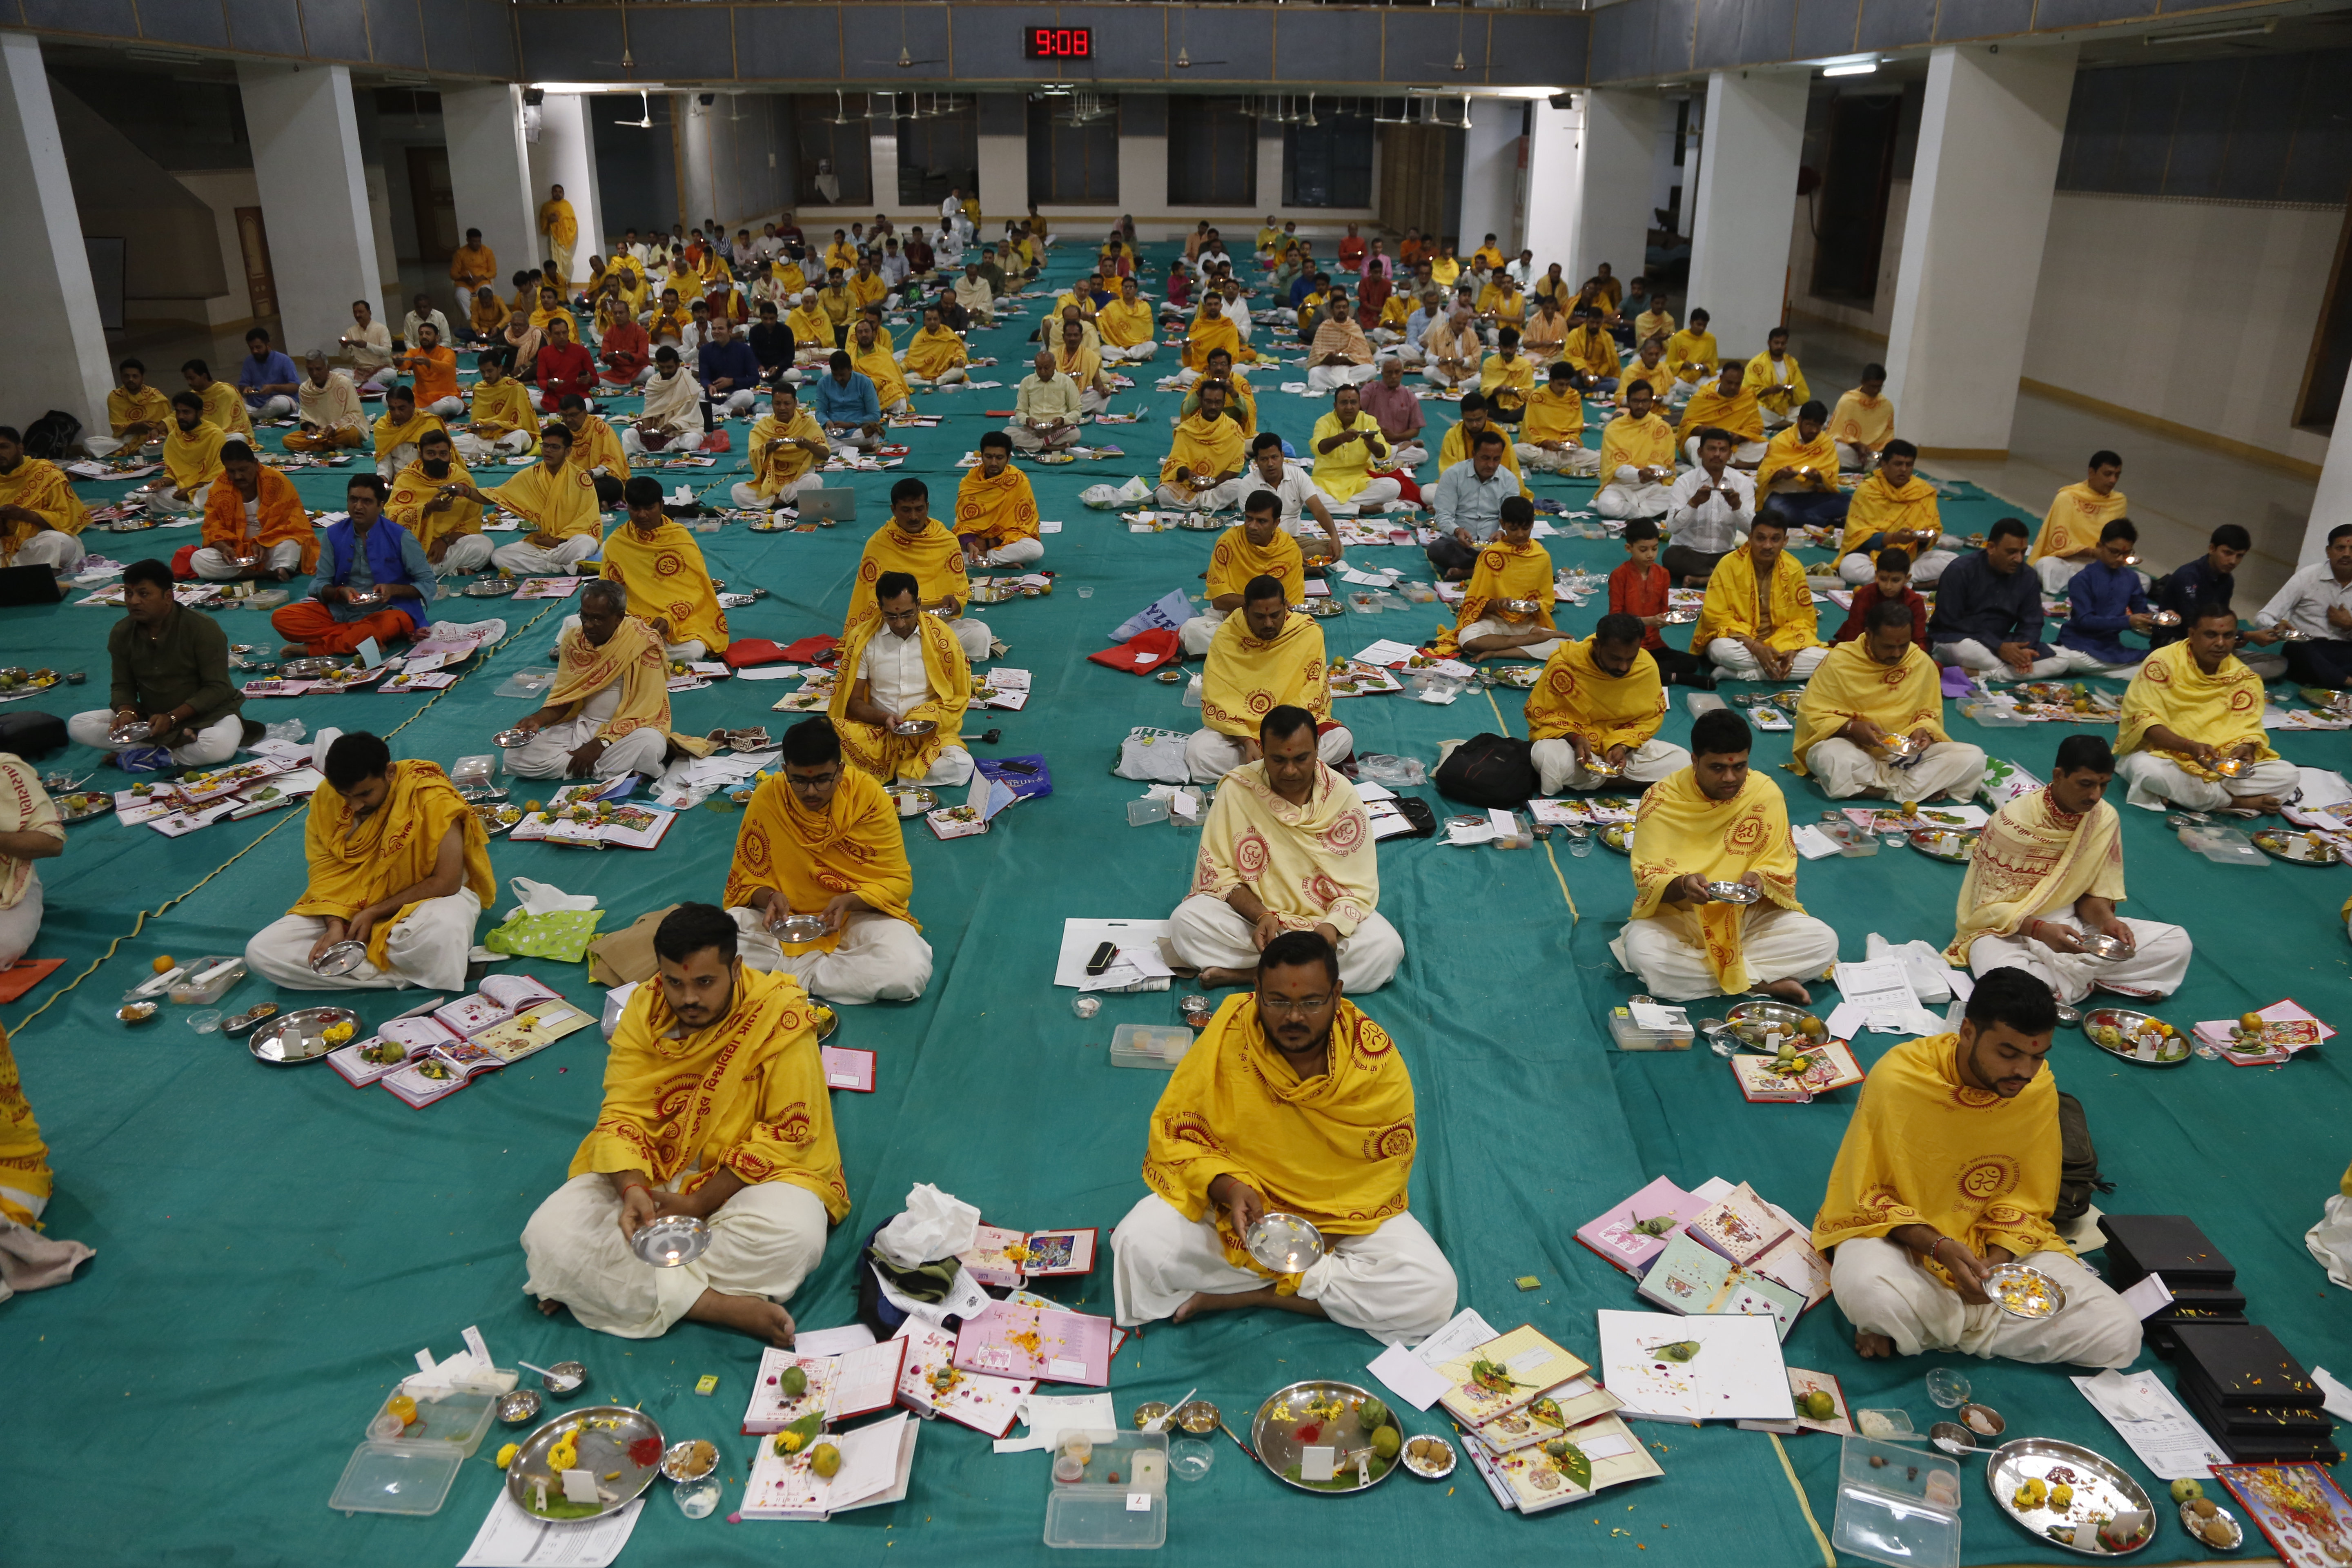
[{"x": 164, "y": 964}]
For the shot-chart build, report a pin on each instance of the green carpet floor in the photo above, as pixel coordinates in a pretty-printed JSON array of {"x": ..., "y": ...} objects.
[{"x": 273, "y": 1245}]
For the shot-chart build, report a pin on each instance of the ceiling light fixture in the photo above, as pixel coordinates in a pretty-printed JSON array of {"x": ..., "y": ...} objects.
[
  {"x": 1851, "y": 67},
  {"x": 2199, "y": 35}
]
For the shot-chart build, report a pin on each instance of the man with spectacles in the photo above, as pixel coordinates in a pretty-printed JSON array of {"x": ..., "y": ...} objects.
[
  {"x": 1291, "y": 1101},
  {"x": 1287, "y": 848}
]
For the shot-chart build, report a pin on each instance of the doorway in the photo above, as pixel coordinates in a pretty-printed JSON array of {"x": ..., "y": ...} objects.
[{"x": 435, "y": 201}]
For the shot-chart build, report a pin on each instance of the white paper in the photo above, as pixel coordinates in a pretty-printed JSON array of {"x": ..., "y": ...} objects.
[
  {"x": 1738, "y": 1373},
  {"x": 1410, "y": 1378},
  {"x": 2339, "y": 1398},
  {"x": 1081, "y": 937},
  {"x": 1657, "y": 1015},
  {"x": 1049, "y": 527},
  {"x": 769, "y": 671},
  {"x": 1385, "y": 651},
  {"x": 833, "y": 1341},
  {"x": 1465, "y": 1331},
  {"x": 2170, "y": 1443},
  {"x": 1051, "y": 1414},
  {"x": 510, "y": 1538},
  {"x": 1811, "y": 842},
  {"x": 2150, "y": 1296}
]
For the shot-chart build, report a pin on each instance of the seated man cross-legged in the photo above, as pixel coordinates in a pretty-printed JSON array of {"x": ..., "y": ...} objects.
[
  {"x": 1988, "y": 615},
  {"x": 1758, "y": 621},
  {"x": 823, "y": 838},
  {"x": 1949, "y": 1167},
  {"x": 995, "y": 510},
  {"x": 1291, "y": 1101},
  {"x": 904, "y": 667},
  {"x": 915, "y": 543},
  {"x": 1717, "y": 821},
  {"x": 170, "y": 671},
  {"x": 715, "y": 1106},
  {"x": 373, "y": 581},
  {"x": 398, "y": 862},
  {"x": 254, "y": 525},
  {"x": 2048, "y": 872},
  {"x": 1286, "y": 847},
  {"x": 1601, "y": 700},
  {"x": 1875, "y": 689},
  {"x": 608, "y": 712},
  {"x": 1256, "y": 547},
  {"x": 660, "y": 568},
  {"x": 1265, "y": 656},
  {"x": 1512, "y": 573},
  {"x": 2192, "y": 732}
]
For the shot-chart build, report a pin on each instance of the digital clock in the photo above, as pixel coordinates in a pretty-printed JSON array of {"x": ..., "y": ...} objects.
[{"x": 1059, "y": 43}]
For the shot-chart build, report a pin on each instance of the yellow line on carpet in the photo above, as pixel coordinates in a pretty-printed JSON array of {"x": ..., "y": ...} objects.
[{"x": 1804, "y": 1506}]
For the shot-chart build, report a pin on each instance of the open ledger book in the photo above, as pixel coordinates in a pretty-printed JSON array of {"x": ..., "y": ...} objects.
[{"x": 429, "y": 1056}]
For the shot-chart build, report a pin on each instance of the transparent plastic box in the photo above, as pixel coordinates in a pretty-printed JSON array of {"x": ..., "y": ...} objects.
[
  {"x": 397, "y": 1478},
  {"x": 1128, "y": 1514},
  {"x": 1894, "y": 1510},
  {"x": 455, "y": 1420},
  {"x": 1159, "y": 1045},
  {"x": 1632, "y": 1036}
]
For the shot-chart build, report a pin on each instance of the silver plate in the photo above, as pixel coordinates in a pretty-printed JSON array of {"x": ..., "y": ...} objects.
[
  {"x": 2128, "y": 1019},
  {"x": 1754, "y": 1022},
  {"x": 1618, "y": 836},
  {"x": 1944, "y": 843},
  {"x": 486, "y": 814},
  {"x": 2099, "y": 944},
  {"x": 606, "y": 1433},
  {"x": 508, "y": 740},
  {"x": 800, "y": 928},
  {"x": 105, "y": 804},
  {"x": 2190, "y": 1522},
  {"x": 2294, "y": 849},
  {"x": 2166, "y": 617},
  {"x": 339, "y": 959},
  {"x": 1326, "y": 609},
  {"x": 299, "y": 1036},
  {"x": 490, "y": 589},
  {"x": 1428, "y": 1470},
  {"x": 129, "y": 734},
  {"x": 1279, "y": 1448},
  {"x": 1285, "y": 1243},
  {"x": 1678, "y": 618},
  {"x": 306, "y": 668},
  {"x": 2102, "y": 1489},
  {"x": 1733, "y": 892},
  {"x": 910, "y": 729},
  {"x": 671, "y": 1241},
  {"x": 2003, "y": 1276}
]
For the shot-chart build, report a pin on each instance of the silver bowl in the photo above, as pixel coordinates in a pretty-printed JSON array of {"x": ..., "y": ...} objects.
[
  {"x": 1285, "y": 1243},
  {"x": 1952, "y": 1438},
  {"x": 339, "y": 959},
  {"x": 564, "y": 1379},
  {"x": 522, "y": 1405},
  {"x": 689, "y": 1460},
  {"x": 508, "y": 740},
  {"x": 2191, "y": 1522},
  {"x": 2099, "y": 944},
  {"x": 1733, "y": 892},
  {"x": 800, "y": 928},
  {"x": 671, "y": 1241},
  {"x": 2230, "y": 767},
  {"x": 2166, "y": 617},
  {"x": 1428, "y": 1469},
  {"x": 909, "y": 729}
]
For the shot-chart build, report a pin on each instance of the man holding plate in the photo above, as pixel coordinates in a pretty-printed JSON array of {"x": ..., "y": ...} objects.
[
  {"x": 1593, "y": 714},
  {"x": 2193, "y": 726},
  {"x": 1870, "y": 721}
]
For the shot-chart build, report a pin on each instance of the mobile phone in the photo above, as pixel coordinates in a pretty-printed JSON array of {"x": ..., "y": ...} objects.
[{"x": 1101, "y": 960}]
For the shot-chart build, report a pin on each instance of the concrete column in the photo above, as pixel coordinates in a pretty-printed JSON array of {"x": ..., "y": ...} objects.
[
  {"x": 1553, "y": 189},
  {"x": 884, "y": 155},
  {"x": 1142, "y": 181},
  {"x": 314, "y": 197},
  {"x": 2331, "y": 503},
  {"x": 1490, "y": 175},
  {"x": 489, "y": 169},
  {"x": 59, "y": 359},
  {"x": 1740, "y": 212},
  {"x": 1610, "y": 205},
  {"x": 565, "y": 154},
  {"x": 1989, "y": 135},
  {"x": 1003, "y": 150}
]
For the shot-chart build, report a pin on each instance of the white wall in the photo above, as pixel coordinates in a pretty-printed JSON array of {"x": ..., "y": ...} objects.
[
  {"x": 1142, "y": 185},
  {"x": 1004, "y": 176},
  {"x": 1747, "y": 175},
  {"x": 1490, "y": 175},
  {"x": 1554, "y": 186},
  {"x": 58, "y": 347},
  {"x": 1612, "y": 215},
  {"x": 565, "y": 154},
  {"x": 225, "y": 191}
]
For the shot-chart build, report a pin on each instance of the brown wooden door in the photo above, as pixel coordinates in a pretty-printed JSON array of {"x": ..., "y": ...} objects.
[
  {"x": 1413, "y": 177},
  {"x": 253, "y": 242},
  {"x": 435, "y": 201}
]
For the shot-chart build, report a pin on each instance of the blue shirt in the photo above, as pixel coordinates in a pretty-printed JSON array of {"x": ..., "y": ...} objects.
[
  {"x": 275, "y": 369},
  {"x": 1466, "y": 502},
  {"x": 856, "y": 404},
  {"x": 2100, "y": 602},
  {"x": 1975, "y": 603},
  {"x": 389, "y": 554},
  {"x": 734, "y": 360}
]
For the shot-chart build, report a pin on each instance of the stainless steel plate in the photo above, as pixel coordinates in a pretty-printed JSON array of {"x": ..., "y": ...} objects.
[
  {"x": 604, "y": 1434},
  {"x": 671, "y": 1241},
  {"x": 2191, "y": 1522},
  {"x": 1619, "y": 836},
  {"x": 1733, "y": 892},
  {"x": 913, "y": 728},
  {"x": 508, "y": 740},
  {"x": 1285, "y": 1243},
  {"x": 1276, "y": 1435},
  {"x": 801, "y": 927},
  {"x": 2125, "y": 1020},
  {"x": 2296, "y": 848},
  {"x": 300, "y": 1035},
  {"x": 1944, "y": 843},
  {"x": 490, "y": 589},
  {"x": 2024, "y": 1292},
  {"x": 339, "y": 959},
  {"x": 2101, "y": 1489}
]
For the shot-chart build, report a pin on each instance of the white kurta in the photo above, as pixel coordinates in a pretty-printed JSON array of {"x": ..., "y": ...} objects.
[
  {"x": 1844, "y": 770},
  {"x": 1394, "y": 1283},
  {"x": 1779, "y": 944},
  {"x": 1206, "y": 932},
  {"x": 2157, "y": 964},
  {"x": 1648, "y": 763},
  {"x": 1883, "y": 1290},
  {"x": 879, "y": 958},
  {"x": 426, "y": 949}
]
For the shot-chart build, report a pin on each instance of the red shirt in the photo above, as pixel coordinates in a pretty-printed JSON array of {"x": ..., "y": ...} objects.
[
  {"x": 1639, "y": 591},
  {"x": 1351, "y": 254},
  {"x": 1865, "y": 597},
  {"x": 1371, "y": 295},
  {"x": 568, "y": 369},
  {"x": 626, "y": 351}
]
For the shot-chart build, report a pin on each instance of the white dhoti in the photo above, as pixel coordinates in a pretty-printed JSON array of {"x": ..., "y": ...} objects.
[
  {"x": 763, "y": 1242},
  {"x": 1883, "y": 1290},
  {"x": 21, "y": 922},
  {"x": 1321, "y": 378},
  {"x": 1196, "y": 633},
  {"x": 955, "y": 376},
  {"x": 1652, "y": 760},
  {"x": 466, "y": 553},
  {"x": 443, "y": 407},
  {"x": 1778, "y": 944},
  {"x": 1567, "y": 460},
  {"x": 477, "y": 451},
  {"x": 1175, "y": 497},
  {"x": 973, "y": 636},
  {"x": 1134, "y": 353},
  {"x": 1206, "y": 932},
  {"x": 549, "y": 753},
  {"x": 1392, "y": 1283},
  {"x": 1622, "y": 501},
  {"x": 2157, "y": 964},
  {"x": 1737, "y": 663},
  {"x": 54, "y": 548},
  {"x": 164, "y": 499},
  {"x": 1466, "y": 376},
  {"x": 786, "y": 492},
  {"x": 1211, "y": 755},
  {"x": 2056, "y": 572},
  {"x": 2156, "y": 779},
  {"x": 1495, "y": 626},
  {"x": 212, "y": 565},
  {"x": 215, "y": 743},
  {"x": 1377, "y": 493},
  {"x": 278, "y": 405},
  {"x": 879, "y": 958},
  {"x": 1977, "y": 659},
  {"x": 1029, "y": 438},
  {"x": 399, "y": 458},
  {"x": 1015, "y": 552},
  {"x": 633, "y": 445},
  {"x": 525, "y": 559},
  {"x": 1845, "y": 770},
  {"x": 426, "y": 949}
]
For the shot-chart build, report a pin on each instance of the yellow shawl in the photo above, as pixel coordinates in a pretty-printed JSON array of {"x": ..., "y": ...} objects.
[
  {"x": 278, "y": 511},
  {"x": 1629, "y": 442},
  {"x": 788, "y": 273},
  {"x": 1123, "y": 325},
  {"x": 557, "y": 222},
  {"x": 561, "y": 502},
  {"x": 595, "y": 447},
  {"x": 1309, "y": 865},
  {"x": 632, "y": 657},
  {"x": 1691, "y": 355},
  {"x": 503, "y": 409},
  {"x": 1334, "y": 1150},
  {"x": 1877, "y": 507},
  {"x": 389, "y": 437},
  {"x": 1235, "y": 561},
  {"x": 930, "y": 353},
  {"x": 996, "y": 511},
  {"x": 1730, "y": 608},
  {"x": 2034, "y": 859},
  {"x": 866, "y": 287},
  {"x": 1923, "y": 1148},
  {"x": 225, "y": 406},
  {"x": 1206, "y": 334},
  {"x": 949, "y": 674},
  {"x": 2223, "y": 709},
  {"x": 1738, "y": 413},
  {"x": 1679, "y": 830},
  {"x": 746, "y": 1094},
  {"x": 1574, "y": 696},
  {"x": 879, "y": 367},
  {"x": 2074, "y": 519},
  {"x": 1504, "y": 571},
  {"x": 395, "y": 849},
  {"x": 24, "y": 1157},
  {"x": 1849, "y": 684},
  {"x": 1244, "y": 680},
  {"x": 810, "y": 328},
  {"x": 1785, "y": 453},
  {"x": 807, "y": 860},
  {"x": 1554, "y": 415},
  {"x": 39, "y": 485},
  {"x": 933, "y": 556},
  {"x": 414, "y": 488},
  {"x": 1763, "y": 379},
  {"x": 148, "y": 406},
  {"x": 772, "y": 471},
  {"x": 192, "y": 457},
  {"x": 1591, "y": 351},
  {"x": 1865, "y": 422},
  {"x": 1517, "y": 374},
  {"x": 666, "y": 576},
  {"x": 1204, "y": 445},
  {"x": 1240, "y": 402}
]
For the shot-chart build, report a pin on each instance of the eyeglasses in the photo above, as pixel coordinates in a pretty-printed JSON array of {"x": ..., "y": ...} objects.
[{"x": 1300, "y": 1005}]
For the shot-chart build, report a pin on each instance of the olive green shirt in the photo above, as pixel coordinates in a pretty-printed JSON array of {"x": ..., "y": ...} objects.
[{"x": 188, "y": 662}]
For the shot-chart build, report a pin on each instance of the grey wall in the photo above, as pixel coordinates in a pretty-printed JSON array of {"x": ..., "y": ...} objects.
[
  {"x": 2265, "y": 129},
  {"x": 457, "y": 38},
  {"x": 170, "y": 248}
]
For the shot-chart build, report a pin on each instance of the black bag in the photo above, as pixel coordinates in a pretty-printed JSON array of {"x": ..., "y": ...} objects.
[
  {"x": 2078, "y": 1163},
  {"x": 1415, "y": 810},
  {"x": 32, "y": 734},
  {"x": 53, "y": 435},
  {"x": 1489, "y": 770}
]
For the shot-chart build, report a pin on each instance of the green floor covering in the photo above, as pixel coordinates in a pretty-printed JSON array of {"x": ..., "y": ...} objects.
[{"x": 274, "y": 1245}]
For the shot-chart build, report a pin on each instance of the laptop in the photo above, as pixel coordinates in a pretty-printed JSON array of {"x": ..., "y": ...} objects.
[
  {"x": 29, "y": 585},
  {"x": 840, "y": 505}
]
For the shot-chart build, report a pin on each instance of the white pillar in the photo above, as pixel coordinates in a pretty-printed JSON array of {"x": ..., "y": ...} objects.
[
  {"x": 490, "y": 172},
  {"x": 1269, "y": 187},
  {"x": 1755, "y": 128},
  {"x": 565, "y": 154},
  {"x": 1610, "y": 209},
  {"x": 883, "y": 148},
  {"x": 314, "y": 198},
  {"x": 1490, "y": 175},
  {"x": 1553, "y": 186},
  {"x": 58, "y": 359},
  {"x": 2331, "y": 503},
  {"x": 1981, "y": 190}
]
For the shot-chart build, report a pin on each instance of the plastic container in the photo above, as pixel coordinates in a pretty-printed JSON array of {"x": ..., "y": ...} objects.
[
  {"x": 215, "y": 986},
  {"x": 1129, "y": 1514},
  {"x": 1142, "y": 812},
  {"x": 1158, "y": 1046},
  {"x": 397, "y": 1478},
  {"x": 1893, "y": 1511},
  {"x": 1633, "y": 1037},
  {"x": 454, "y": 1420},
  {"x": 474, "y": 772}
]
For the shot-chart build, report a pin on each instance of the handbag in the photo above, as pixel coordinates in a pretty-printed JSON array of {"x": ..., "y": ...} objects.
[{"x": 1493, "y": 771}]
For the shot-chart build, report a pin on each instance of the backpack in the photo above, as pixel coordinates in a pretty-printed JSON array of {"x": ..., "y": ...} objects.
[
  {"x": 1488, "y": 770},
  {"x": 2078, "y": 1163},
  {"x": 54, "y": 435}
]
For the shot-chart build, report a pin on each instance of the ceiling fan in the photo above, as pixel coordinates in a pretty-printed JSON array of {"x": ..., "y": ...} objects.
[
  {"x": 1461, "y": 63},
  {"x": 840, "y": 109},
  {"x": 645, "y": 108},
  {"x": 906, "y": 61}
]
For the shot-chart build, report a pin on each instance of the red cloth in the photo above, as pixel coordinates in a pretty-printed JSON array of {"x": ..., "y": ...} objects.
[
  {"x": 1142, "y": 654},
  {"x": 311, "y": 624},
  {"x": 814, "y": 650},
  {"x": 1638, "y": 590},
  {"x": 565, "y": 369},
  {"x": 1865, "y": 598},
  {"x": 184, "y": 562},
  {"x": 1371, "y": 297},
  {"x": 745, "y": 652},
  {"x": 627, "y": 352},
  {"x": 1351, "y": 254}
]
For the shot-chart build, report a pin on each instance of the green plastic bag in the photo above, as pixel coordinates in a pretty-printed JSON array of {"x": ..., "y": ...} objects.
[{"x": 562, "y": 935}]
